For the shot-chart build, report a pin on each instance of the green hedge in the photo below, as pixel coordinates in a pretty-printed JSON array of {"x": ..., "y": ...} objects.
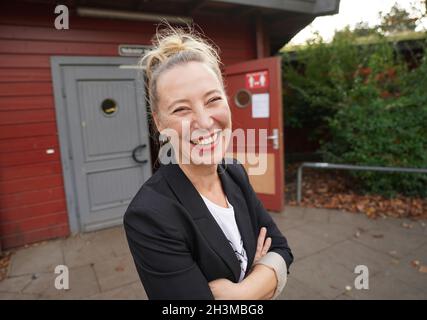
[{"x": 372, "y": 106}]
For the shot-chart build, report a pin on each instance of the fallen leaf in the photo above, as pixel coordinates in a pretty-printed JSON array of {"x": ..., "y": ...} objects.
[
  {"x": 393, "y": 252},
  {"x": 407, "y": 225},
  {"x": 415, "y": 263},
  {"x": 422, "y": 269},
  {"x": 360, "y": 207},
  {"x": 370, "y": 211}
]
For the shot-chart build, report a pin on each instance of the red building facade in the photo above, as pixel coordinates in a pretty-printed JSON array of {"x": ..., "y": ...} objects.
[{"x": 32, "y": 194}]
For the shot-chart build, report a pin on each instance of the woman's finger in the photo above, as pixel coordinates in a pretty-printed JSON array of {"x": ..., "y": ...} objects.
[
  {"x": 260, "y": 244},
  {"x": 266, "y": 247},
  {"x": 261, "y": 238}
]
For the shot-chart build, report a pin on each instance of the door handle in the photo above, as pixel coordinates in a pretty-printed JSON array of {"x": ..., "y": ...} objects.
[
  {"x": 275, "y": 138},
  {"x": 136, "y": 150}
]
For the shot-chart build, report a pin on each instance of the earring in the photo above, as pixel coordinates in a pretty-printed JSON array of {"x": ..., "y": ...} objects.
[{"x": 163, "y": 139}]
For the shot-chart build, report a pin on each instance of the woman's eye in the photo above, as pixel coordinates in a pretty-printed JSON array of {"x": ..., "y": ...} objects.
[
  {"x": 179, "y": 109},
  {"x": 214, "y": 99}
]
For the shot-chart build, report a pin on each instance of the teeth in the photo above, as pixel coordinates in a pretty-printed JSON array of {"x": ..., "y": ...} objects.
[{"x": 206, "y": 141}]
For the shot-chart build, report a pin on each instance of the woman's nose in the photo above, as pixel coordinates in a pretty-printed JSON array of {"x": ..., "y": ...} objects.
[{"x": 203, "y": 119}]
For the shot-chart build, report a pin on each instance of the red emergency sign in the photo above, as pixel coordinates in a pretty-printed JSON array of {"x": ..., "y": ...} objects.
[{"x": 257, "y": 80}]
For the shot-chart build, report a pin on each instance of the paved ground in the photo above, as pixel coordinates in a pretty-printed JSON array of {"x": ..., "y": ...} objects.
[{"x": 327, "y": 244}]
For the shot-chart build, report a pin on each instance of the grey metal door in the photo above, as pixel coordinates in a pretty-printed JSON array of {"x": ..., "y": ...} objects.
[{"x": 107, "y": 120}]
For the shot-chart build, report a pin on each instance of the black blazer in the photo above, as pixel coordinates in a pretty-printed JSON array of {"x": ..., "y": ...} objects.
[{"x": 177, "y": 245}]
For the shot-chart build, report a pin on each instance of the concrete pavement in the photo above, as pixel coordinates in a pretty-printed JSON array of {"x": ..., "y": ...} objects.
[{"x": 327, "y": 244}]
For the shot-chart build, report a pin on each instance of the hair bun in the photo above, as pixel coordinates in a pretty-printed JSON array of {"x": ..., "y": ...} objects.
[{"x": 170, "y": 41}]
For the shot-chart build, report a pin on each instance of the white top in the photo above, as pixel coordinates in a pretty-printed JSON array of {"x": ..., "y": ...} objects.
[{"x": 227, "y": 221}]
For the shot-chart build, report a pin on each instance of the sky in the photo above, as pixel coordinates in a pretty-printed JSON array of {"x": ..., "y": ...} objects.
[{"x": 350, "y": 13}]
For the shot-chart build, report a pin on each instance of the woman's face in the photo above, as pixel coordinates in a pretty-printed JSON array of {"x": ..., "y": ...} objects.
[{"x": 193, "y": 111}]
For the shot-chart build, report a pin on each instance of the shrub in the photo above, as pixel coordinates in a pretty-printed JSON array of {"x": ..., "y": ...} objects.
[
  {"x": 371, "y": 105},
  {"x": 381, "y": 129}
]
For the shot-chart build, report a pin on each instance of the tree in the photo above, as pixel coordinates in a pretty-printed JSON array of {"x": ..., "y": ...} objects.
[
  {"x": 362, "y": 29},
  {"x": 397, "y": 20},
  {"x": 394, "y": 21}
]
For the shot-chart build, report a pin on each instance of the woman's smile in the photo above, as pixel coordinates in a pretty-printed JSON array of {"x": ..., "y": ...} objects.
[{"x": 207, "y": 144}]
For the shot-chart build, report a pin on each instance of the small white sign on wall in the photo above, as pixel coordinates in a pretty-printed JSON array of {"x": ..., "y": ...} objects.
[{"x": 261, "y": 105}]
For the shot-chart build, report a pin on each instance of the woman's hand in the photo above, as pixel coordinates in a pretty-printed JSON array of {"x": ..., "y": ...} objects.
[
  {"x": 224, "y": 289},
  {"x": 263, "y": 245}
]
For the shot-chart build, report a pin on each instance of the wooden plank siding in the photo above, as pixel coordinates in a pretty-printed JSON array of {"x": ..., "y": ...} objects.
[{"x": 32, "y": 196}]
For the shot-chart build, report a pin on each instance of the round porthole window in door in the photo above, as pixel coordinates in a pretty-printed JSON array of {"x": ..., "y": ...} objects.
[
  {"x": 109, "y": 107},
  {"x": 242, "y": 98}
]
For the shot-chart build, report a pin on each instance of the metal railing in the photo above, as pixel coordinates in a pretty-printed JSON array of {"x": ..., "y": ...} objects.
[{"x": 324, "y": 165}]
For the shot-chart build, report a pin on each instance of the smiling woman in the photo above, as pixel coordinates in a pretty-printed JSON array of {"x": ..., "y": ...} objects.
[
  {"x": 198, "y": 96},
  {"x": 196, "y": 228}
]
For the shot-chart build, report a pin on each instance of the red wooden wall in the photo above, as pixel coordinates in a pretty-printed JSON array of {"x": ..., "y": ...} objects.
[{"x": 32, "y": 197}]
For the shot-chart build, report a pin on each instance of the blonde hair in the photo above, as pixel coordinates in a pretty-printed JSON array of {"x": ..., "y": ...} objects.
[{"x": 174, "y": 46}]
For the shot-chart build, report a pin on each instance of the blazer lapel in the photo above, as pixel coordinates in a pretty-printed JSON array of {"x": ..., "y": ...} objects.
[
  {"x": 189, "y": 197},
  {"x": 241, "y": 212}
]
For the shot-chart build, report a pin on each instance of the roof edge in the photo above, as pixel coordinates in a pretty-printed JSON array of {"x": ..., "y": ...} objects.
[{"x": 313, "y": 7}]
